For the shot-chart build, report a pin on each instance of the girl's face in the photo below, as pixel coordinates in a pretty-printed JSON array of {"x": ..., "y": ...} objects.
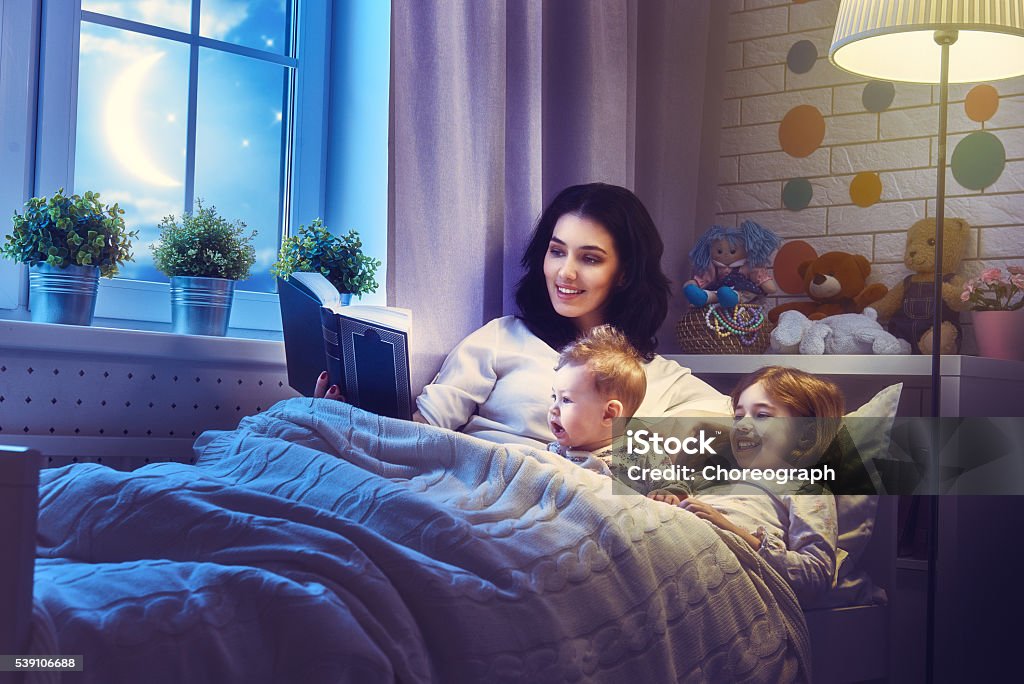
[
  {"x": 581, "y": 268},
  {"x": 764, "y": 432}
]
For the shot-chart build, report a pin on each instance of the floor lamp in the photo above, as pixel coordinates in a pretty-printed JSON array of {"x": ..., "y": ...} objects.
[{"x": 943, "y": 42}]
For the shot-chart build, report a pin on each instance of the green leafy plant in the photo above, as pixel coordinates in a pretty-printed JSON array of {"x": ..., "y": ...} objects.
[
  {"x": 75, "y": 230},
  {"x": 339, "y": 258},
  {"x": 204, "y": 244}
]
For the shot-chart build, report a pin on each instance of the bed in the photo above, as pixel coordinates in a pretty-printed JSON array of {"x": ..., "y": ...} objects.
[{"x": 317, "y": 542}]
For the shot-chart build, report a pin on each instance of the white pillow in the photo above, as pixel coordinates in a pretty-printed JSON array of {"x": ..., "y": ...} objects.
[{"x": 856, "y": 512}]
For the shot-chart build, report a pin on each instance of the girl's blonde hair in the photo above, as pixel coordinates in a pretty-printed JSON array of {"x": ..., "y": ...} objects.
[
  {"x": 616, "y": 365},
  {"x": 805, "y": 395}
]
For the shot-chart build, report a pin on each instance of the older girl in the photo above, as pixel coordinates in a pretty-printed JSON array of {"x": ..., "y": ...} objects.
[{"x": 783, "y": 418}]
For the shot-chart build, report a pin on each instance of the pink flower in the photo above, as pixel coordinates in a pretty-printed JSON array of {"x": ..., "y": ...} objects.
[
  {"x": 1015, "y": 270},
  {"x": 991, "y": 275},
  {"x": 1018, "y": 280}
]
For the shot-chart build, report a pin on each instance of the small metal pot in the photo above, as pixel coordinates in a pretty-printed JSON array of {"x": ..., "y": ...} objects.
[
  {"x": 201, "y": 306},
  {"x": 63, "y": 295}
]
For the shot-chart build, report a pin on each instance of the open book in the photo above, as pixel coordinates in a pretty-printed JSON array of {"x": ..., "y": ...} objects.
[{"x": 364, "y": 349}]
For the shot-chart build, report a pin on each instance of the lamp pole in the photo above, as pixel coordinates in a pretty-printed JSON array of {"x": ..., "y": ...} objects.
[{"x": 944, "y": 38}]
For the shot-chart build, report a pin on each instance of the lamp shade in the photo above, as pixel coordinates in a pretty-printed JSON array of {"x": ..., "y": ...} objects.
[{"x": 893, "y": 40}]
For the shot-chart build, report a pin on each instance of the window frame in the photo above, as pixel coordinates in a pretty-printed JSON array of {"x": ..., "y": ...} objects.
[
  {"x": 134, "y": 300},
  {"x": 19, "y": 38}
]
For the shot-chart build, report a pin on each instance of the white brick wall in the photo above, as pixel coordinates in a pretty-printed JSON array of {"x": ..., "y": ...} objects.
[{"x": 900, "y": 144}]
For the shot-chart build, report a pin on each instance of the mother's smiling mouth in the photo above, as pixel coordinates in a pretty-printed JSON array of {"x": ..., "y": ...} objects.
[{"x": 743, "y": 444}]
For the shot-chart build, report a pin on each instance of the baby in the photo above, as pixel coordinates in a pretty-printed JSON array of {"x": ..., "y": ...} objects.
[
  {"x": 794, "y": 530},
  {"x": 599, "y": 377}
]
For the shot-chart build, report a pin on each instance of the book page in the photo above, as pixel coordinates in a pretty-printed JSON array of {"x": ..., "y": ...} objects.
[
  {"x": 387, "y": 316},
  {"x": 320, "y": 287}
]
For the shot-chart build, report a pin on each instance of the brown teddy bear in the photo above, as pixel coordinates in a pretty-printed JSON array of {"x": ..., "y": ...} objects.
[
  {"x": 837, "y": 282},
  {"x": 908, "y": 306}
]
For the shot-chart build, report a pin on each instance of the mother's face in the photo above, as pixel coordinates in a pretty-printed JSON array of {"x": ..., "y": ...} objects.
[{"x": 581, "y": 269}]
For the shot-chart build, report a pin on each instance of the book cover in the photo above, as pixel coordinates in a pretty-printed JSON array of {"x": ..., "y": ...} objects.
[
  {"x": 303, "y": 332},
  {"x": 364, "y": 349}
]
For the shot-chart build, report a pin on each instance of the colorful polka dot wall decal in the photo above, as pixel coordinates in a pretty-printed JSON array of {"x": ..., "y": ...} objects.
[
  {"x": 801, "y": 131},
  {"x": 981, "y": 103},
  {"x": 878, "y": 95},
  {"x": 978, "y": 160},
  {"x": 866, "y": 189},
  {"x": 797, "y": 193},
  {"x": 787, "y": 264},
  {"x": 801, "y": 57}
]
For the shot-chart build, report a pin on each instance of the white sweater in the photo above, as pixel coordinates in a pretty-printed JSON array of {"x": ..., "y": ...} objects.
[{"x": 496, "y": 385}]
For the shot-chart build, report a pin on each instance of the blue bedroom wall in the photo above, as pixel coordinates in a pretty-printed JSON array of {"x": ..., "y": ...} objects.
[{"x": 357, "y": 155}]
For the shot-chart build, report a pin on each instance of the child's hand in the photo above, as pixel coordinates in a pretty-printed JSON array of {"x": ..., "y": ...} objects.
[
  {"x": 665, "y": 496},
  {"x": 706, "y": 511}
]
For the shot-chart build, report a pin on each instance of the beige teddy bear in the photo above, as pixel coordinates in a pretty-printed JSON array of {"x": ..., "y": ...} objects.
[{"x": 908, "y": 306}]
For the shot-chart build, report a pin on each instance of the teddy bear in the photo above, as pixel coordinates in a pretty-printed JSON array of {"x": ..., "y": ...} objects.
[
  {"x": 908, "y": 306},
  {"x": 732, "y": 265},
  {"x": 837, "y": 282},
  {"x": 840, "y": 334}
]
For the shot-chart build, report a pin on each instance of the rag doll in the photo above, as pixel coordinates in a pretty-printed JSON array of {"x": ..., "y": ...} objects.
[{"x": 732, "y": 265}]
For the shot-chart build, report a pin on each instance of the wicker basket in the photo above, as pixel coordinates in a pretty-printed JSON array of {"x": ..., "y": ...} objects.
[{"x": 696, "y": 336}]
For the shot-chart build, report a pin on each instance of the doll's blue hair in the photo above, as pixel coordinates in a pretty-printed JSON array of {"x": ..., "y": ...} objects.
[{"x": 759, "y": 242}]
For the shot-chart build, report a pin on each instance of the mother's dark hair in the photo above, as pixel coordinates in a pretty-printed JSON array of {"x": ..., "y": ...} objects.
[{"x": 637, "y": 306}]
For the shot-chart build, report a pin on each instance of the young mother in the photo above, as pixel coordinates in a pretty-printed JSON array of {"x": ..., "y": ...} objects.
[{"x": 594, "y": 258}]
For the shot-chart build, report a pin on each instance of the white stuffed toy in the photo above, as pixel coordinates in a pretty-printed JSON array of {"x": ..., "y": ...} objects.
[{"x": 841, "y": 334}]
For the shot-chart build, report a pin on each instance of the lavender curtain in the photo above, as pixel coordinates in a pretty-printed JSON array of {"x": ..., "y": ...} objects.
[{"x": 496, "y": 106}]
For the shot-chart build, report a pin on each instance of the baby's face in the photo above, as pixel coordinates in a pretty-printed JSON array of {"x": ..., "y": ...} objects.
[
  {"x": 764, "y": 432},
  {"x": 577, "y": 412}
]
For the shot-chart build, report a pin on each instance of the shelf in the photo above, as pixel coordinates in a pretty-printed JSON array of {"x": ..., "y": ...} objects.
[{"x": 855, "y": 364}]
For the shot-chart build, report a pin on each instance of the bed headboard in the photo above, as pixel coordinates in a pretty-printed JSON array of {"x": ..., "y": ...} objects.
[
  {"x": 126, "y": 397},
  {"x": 19, "y": 490}
]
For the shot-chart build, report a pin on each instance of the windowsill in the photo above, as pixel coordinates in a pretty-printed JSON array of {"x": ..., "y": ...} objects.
[
  {"x": 96, "y": 340},
  {"x": 136, "y": 304},
  {"x": 132, "y": 305}
]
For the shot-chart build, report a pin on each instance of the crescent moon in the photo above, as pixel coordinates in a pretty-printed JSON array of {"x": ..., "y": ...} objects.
[{"x": 121, "y": 124}]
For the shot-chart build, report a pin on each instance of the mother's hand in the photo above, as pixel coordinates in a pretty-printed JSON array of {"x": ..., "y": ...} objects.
[{"x": 322, "y": 391}]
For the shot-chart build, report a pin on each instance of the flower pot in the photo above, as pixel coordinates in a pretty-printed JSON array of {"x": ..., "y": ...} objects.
[
  {"x": 201, "y": 306},
  {"x": 1000, "y": 334},
  {"x": 63, "y": 295}
]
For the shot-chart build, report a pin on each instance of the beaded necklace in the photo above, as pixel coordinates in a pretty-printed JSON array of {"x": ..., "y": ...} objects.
[{"x": 744, "y": 321}]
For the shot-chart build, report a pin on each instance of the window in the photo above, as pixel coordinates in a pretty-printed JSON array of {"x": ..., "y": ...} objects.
[{"x": 155, "y": 104}]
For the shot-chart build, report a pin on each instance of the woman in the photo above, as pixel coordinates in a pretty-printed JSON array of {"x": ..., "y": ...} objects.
[{"x": 594, "y": 258}]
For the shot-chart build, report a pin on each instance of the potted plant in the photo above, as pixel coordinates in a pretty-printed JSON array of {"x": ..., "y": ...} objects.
[
  {"x": 339, "y": 258},
  {"x": 997, "y": 303},
  {"x": 203, "y": 255},
  {"x": 68, "y": 242}
]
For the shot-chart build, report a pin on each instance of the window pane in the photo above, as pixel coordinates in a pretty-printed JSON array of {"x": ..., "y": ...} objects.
[
  {"x": 130, "y": 145},
  {"x": 262, "y": 24},
  {"x": 239, "y": 148},
  {"x": 172, "y": 14}
]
